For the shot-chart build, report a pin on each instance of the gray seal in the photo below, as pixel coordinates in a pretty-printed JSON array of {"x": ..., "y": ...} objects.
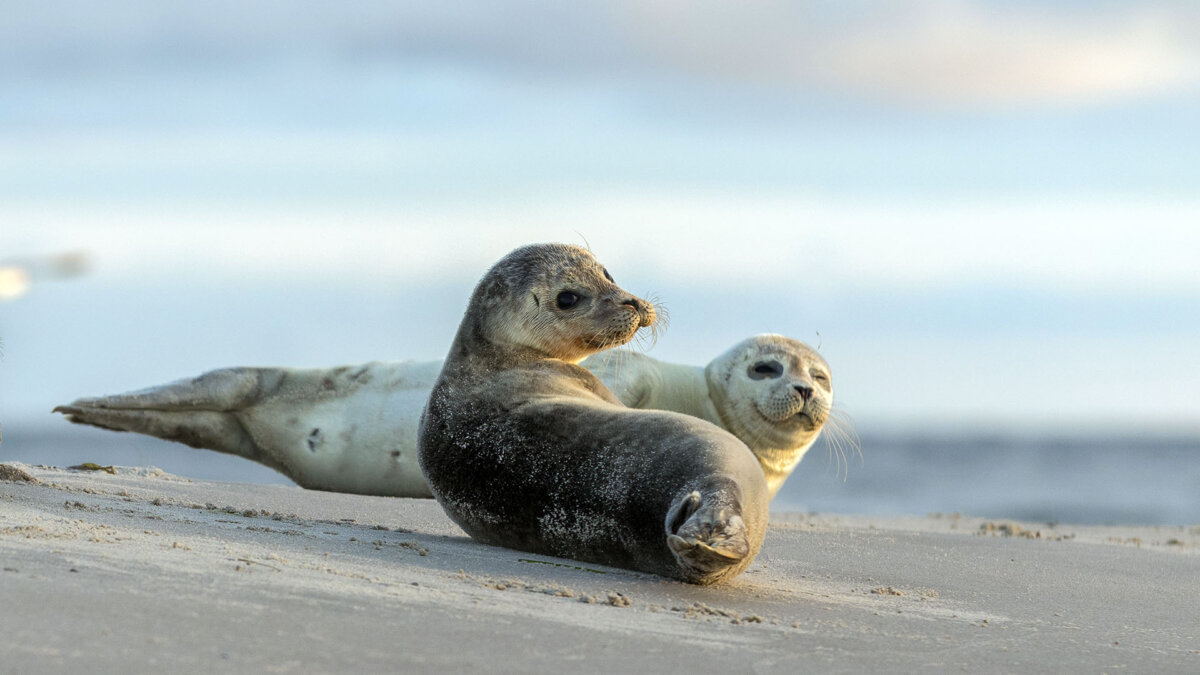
[{"x": 526, "y": 449}]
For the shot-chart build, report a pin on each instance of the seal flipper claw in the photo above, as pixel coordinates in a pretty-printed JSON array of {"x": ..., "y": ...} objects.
[{"x": 679, "y": 513}]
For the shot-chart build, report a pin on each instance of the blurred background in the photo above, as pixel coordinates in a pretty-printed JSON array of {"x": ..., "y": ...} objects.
[{"x": 984, "y": 213}]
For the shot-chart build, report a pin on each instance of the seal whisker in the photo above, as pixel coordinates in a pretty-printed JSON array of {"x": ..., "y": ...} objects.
[
  {"x": 662, "y": 320},
  {"x": 840, "y": 436}
]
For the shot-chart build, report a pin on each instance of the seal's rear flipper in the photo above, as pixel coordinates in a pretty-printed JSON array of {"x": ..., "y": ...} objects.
[
  {"x": 198, "y": 428},
  {"x": 706, "y": 538},
  {"x": 227, "y": 389}
]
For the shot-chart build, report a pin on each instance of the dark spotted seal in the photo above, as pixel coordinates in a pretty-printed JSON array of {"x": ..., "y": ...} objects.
[{"x": 524, "y": 448}]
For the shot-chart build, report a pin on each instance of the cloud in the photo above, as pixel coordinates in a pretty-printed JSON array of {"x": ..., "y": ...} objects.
[
  {"x": 686, "y": 239},
  {"x": 951, "y": 52},
  {"x": 938, "y": 53}
]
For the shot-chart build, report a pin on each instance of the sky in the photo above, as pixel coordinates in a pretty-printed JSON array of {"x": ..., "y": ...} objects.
[{"x": 984, "y": 214}]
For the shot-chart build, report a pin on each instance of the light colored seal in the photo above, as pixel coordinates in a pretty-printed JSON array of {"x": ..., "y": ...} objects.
[
  {"x": 772, "y": 392},
  {"x": 354, "y": 428},
  {"x": 348, "y": 429},
  {"x": 524, "y": 448}
]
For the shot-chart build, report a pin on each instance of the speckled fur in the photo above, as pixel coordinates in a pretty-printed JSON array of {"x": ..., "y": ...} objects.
[{"x": 525, "y": 449}]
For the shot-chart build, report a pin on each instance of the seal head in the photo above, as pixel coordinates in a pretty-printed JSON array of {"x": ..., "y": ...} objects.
[
  {"x": 548, "y": 302},
  {"x": 775, "y": 392}
]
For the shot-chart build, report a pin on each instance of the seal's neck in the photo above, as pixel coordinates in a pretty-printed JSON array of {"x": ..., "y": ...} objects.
[
  {"x": 690, "y": 387},
  {"x": 472, "y": 348},
  {"x": 717, "y": 400}
]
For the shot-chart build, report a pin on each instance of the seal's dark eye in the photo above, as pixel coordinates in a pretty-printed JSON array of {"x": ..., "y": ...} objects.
[
  {"x": 567, "y": 300},
  {"x": 608, "y": 276},
  {"x": 765, "y": 370}
]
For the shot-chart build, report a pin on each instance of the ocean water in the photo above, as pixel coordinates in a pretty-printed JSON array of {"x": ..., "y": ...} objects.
[{"x": 1054, "y": 478}]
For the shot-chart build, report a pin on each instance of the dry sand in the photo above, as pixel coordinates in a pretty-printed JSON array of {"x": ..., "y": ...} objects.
[{"x": 143, "y": 571}]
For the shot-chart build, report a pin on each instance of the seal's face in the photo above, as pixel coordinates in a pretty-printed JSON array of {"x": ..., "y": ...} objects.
[
  {"x": 775, "y": 390},
  {"x": 561, "y": 301}
]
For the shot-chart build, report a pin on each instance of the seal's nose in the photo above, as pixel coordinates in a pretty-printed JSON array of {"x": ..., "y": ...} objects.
[
  {"x": 804, "y": 391},
  {"x": 643, "y": 309}
]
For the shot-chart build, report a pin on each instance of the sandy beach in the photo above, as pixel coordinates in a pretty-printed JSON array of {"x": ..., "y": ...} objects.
[{"x": 144, "y": 571}]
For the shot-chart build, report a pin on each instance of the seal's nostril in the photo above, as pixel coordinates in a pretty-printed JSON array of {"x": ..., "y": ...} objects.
[
  {"x": 633, "y": 302},
  {"x": 805, "y": 392}
]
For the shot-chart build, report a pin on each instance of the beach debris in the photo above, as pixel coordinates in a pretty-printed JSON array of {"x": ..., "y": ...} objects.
[
  {"x": 617, "y": 599},
  {"x": 1133, "y": 541},
  {"x": 885, "y": 590},
  {"x": 699, "y": 610},
  {"x": 412, "y": 546},
  {"x": 92, "y": 466},
  {"x": 555, "y": 564},
  {"x": 13, "y": 473},
  {"x": 1015, "y": 530},
  {"x": 248, "y": 561}
]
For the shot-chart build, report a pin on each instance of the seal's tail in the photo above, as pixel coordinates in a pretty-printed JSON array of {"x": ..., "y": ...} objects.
[{"x": 708, "y": 537}]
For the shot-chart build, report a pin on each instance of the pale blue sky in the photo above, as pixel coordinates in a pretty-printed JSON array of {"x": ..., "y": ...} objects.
[{"x": 986, "y": 210}]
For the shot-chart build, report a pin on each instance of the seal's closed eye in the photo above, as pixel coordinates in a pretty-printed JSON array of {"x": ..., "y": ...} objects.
[{"x": 765, "y": 369}]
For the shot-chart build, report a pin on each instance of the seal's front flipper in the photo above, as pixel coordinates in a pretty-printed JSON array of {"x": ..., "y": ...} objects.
[{"x": 706, "y": 538}]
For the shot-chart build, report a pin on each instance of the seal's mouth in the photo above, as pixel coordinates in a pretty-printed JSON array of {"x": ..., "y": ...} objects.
[
  {"x": 776, "y": 419},
  {"x": 602, "y": 342},
  {"x": 789, "y": 423},
  {"x": 805, "y": 420}
]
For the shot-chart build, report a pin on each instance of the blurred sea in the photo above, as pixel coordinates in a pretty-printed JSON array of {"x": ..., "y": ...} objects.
[{"x": 1054, "y": 478}]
